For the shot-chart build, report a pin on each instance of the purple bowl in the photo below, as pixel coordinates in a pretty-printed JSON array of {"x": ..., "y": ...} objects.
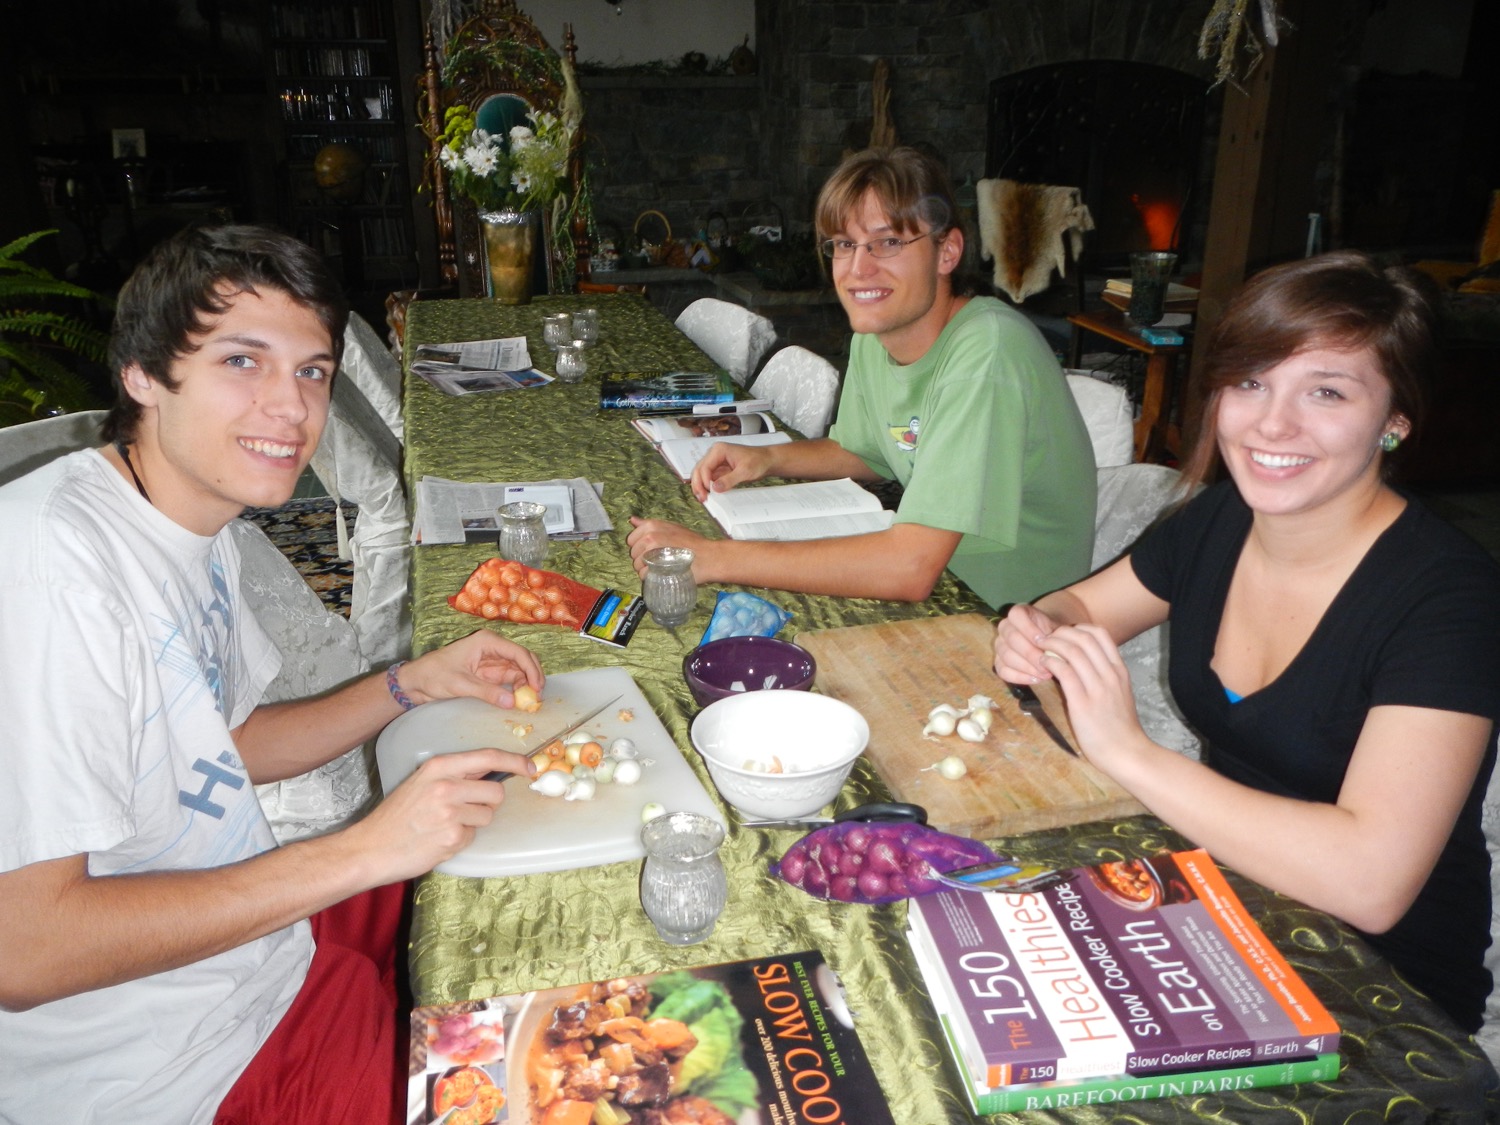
[{"x": 732, "y": 665}]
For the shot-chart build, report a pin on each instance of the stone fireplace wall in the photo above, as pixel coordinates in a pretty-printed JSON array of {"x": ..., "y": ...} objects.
[
  {"x": 817, "y": 62},
  {"x": 690, "y": 146}
]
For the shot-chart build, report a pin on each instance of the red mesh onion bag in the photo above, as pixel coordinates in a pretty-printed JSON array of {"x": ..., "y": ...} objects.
[
  {"x": 505, "y": 590},
  {"x": 874, "y": 862}
]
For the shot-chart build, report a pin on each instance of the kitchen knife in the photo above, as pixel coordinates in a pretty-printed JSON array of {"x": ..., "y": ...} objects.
[
  {"x": 875, "y": 810},
  {"x": 501, "y": 775},
  {"x": 1027, "y": 698}
]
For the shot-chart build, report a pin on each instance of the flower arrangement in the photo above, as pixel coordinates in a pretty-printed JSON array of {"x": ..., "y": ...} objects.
[{"x": 526, "y": 169}]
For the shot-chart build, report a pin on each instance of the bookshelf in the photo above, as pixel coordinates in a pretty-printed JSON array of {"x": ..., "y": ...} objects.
[{"x": 347, "y": 185}]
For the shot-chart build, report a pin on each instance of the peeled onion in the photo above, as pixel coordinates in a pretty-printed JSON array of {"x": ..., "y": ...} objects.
[
  {"x": 553, "y": 783},
  {"x": 580, "y": 789},
  {"x": 941, "y": 723},
  {"x": 952, "y": 767}
]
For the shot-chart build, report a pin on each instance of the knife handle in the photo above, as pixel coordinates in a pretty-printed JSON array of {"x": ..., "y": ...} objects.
[
  {"x": 496, "y": 775},
  {"x": 885, "y": 811}
]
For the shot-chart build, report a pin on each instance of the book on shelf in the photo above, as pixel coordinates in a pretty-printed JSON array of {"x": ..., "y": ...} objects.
[
  {"x": 1128, "y": 971},
  {"x": 683, "y": 439},
  {"x": 815, "y": 509},
  {"x": 1175, "y": 291},
  {"x": 664, "y": 390},
  {"x": 767, "y": 1040}
]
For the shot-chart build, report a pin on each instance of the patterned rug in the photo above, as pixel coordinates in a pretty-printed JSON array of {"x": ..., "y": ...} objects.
[{"x": 307, "y": 534}]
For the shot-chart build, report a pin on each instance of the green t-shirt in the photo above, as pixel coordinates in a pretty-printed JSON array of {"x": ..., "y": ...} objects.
[{"x": 985, "y": 438}]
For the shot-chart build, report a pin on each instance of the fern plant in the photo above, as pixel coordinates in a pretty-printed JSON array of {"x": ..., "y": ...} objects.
[{"x": 34, "y": 380}]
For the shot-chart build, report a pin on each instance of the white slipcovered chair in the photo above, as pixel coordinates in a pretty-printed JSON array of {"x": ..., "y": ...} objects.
[
  {"x": 1488, "y": 1036},
  {"x": 376, "y": 372},
  {"x": 734, "y": 337},
  {"x": 1131, "y": 498},
  {"x": 31, "y": 445},
  {"x": 359, "y": 460},
  {"x": 802, "y": 388},
  {"x": 1107, "y": 414},
  {"x": 319, "y": 651}
]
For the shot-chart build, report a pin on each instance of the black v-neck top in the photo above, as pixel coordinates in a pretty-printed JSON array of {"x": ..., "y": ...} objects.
[{"x": 1417, "y": 624}]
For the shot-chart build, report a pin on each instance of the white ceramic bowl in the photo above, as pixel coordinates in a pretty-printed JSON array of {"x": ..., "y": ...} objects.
[{"x": 813, "y": 738}]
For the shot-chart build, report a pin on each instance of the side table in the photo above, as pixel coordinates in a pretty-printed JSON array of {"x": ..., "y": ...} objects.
[{"x": 1155, "y": 432}]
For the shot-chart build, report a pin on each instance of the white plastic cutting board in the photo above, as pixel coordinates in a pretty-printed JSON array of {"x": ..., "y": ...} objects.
[{"x": 533, "y": 833}]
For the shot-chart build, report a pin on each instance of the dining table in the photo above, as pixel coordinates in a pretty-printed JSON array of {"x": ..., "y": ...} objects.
[{"x": 1402, "y": 1058}]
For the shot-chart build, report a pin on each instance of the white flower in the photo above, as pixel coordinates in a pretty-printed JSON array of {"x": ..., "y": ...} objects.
[
  {"x": 481, "y": 161},
  {"x": 520, "y": 137},
  {"x": 522, "y": 180},
  {"x": 545, "y": 122},
  {"x": 448, "y": 158}
]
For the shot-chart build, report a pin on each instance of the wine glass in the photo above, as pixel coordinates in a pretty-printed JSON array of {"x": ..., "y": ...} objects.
[
  {"x": 557, "y": 329},
  {"x": 572, "y": 364},
  {"x": 683, "y": 886},
  {"x": 523, "y": 532},
  {"x": 668, "y": 586},
  {"x": 586, "y": 327}
]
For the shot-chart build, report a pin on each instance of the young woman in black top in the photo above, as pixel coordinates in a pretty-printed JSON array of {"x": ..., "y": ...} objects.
[{"x": 1337, "y": 645}]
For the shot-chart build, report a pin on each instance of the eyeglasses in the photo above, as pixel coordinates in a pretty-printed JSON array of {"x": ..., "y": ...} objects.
[{"x": 876, "y": 247}]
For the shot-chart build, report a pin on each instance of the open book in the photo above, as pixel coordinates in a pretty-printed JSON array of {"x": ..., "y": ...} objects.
[
  {"x": 683, "y": 439},
  {"x": 818, "y": 509}
]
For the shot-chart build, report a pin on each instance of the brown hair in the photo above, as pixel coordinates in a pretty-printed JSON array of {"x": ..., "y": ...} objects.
[
  {"x": 1342, "y": 300},
  {"x": 913, "y": 190},
  {"x": 190, "y": 278}
]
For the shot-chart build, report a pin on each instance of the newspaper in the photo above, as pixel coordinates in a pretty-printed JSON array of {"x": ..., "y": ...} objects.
[
  {"x": 452, "y": 511},
  {"x": 472, "y": 366}
]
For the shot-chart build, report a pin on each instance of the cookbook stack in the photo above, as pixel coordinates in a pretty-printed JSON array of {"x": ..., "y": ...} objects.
[{"x": 1126, "y": 981}]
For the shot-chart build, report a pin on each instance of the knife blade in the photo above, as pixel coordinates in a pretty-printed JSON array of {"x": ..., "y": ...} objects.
[
  {"x": 1032, "y": 705},
  {"x": 501, "y": 775}
]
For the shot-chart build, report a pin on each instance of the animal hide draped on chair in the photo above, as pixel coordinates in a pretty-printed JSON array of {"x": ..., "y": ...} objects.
[{"x": 1023, "y": 227}]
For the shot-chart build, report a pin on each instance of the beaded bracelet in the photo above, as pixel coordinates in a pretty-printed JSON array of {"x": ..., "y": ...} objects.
[{"x": 394, "y": 686}]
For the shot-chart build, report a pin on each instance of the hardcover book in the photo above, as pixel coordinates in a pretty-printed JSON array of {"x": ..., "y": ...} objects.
[
  {"x": 664, "y": 390},
  {"x": 767, "y": 1040},
  {"x": 1140, "y": 968}
]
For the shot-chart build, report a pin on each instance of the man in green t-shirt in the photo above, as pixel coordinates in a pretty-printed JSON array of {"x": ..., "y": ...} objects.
[{"x": 956, "y": 397}]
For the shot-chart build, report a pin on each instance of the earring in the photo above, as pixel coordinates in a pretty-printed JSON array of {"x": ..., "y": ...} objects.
[{"x": 1390, "y": 441}]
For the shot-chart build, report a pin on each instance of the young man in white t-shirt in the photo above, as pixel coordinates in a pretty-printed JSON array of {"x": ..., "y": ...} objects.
[{"x": 157, "y": 962}]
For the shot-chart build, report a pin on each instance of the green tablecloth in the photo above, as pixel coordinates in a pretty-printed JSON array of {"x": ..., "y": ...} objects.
[{"x": 471, "y": 938}]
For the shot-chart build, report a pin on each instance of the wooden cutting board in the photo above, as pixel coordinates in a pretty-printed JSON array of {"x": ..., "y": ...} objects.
[{"x": 1018, "y": 779}]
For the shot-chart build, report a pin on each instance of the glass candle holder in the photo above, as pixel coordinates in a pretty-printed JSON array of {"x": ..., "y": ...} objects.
[
  {"x": 586, "y": 327},
  {"x": 557, "y": 329},
  {"x": 668, "y": 586},
  {"x": 572, "y": 365},
  {"x": 1150, "y": 270},
  {"x": 683, "y": 888},
  {"x": 523, "y": 535}
]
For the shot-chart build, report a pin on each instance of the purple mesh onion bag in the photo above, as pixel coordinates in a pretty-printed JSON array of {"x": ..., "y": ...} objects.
[{"x": 874, "y": 862}]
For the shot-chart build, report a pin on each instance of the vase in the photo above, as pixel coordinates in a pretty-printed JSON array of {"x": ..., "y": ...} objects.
[{"x": 509, "y": 247}]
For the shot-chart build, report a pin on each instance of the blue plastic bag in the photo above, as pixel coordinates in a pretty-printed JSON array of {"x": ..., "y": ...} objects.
[{"x": 744, "y": 615}]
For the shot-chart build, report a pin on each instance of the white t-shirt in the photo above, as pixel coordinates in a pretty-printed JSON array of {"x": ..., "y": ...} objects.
[{"x": 127, "y": 659}]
